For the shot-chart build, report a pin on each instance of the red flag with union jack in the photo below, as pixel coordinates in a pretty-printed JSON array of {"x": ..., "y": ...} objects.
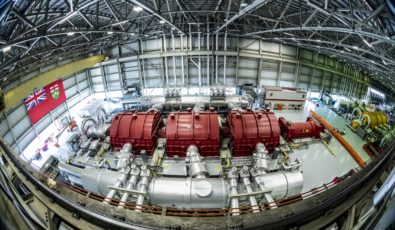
[
  {"x": 36, "y": 98},
  {"x": 44, "y": 99}
]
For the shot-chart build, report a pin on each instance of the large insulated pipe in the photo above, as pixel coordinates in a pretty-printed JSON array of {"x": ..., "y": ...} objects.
[
  {"x": 189, "y": 193},
  {"x": 124, "y": 156},
  {"x": 197, "y": 168},
  {"x": 233, "y": 175},
  {"x": 282, "y": 184},
  {"x": 261, "y": 158},
  {"x": 245, "y": 175},
  {"x": 134, "y": 174},
  {"x": 142, "y": 187}
]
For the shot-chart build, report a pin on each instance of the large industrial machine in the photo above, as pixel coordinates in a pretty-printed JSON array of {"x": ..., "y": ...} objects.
[{"x": 190, "y": 159}]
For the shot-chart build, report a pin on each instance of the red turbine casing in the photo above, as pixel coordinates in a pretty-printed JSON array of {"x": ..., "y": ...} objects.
[
  {"x": 139, "y": 129},
  {"x": 248, "y": 128},
  {"x": 192, "y": 128},
  {"x": 292, "y": 130}
]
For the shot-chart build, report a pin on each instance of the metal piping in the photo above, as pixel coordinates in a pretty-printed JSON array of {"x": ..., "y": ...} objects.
[
  {"x": 134, "y": 174},
  {"x": 112, "y": 192},
  {"x": 245, "y": 175},
  {"x": 368, "y": 118},
  {"x": 122, "y": 165},
  {"x": 261, "y": 168},
  {"x": 142, "y": 187},
  {"x": 234, "y": 201}
]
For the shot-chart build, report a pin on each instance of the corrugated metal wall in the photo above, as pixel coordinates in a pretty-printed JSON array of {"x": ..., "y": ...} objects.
[{"x": 184, "y": 62}]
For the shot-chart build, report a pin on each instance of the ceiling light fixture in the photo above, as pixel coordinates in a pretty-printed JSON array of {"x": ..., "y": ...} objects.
[
  {"x": 70, "y": 33},
  {"x": 110, "y": 32},
  {"x": 347, "y": 49},
  {"x": 384, "y": 62},
  {"x": 120, "y": 23},
  {"x": 289, "y": 34},
  {"x": 67, "y": 17},
  {"x": 137, "y": 9},
  {"x": 162, "y": 22},
  {"x": 7, "y": 48},
  {"x": 318, "y": 40},
  {"x": 367, "y": 43},
  {"x": 355, "y": 47}
]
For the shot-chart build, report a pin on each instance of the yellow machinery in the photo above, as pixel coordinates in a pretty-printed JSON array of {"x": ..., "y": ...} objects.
[
  {"x": 373, "y": 119},
  {"x": 355, "y": 123}
]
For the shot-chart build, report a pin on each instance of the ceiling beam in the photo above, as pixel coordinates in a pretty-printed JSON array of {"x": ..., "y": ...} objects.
[
  {"x": 23, "y": 18},
  {"x": 71, "y": 14},
  {"x": 327, "y": 29},
  {"x": 253, "y": 6},
  {"x": 153, "y": 12}
]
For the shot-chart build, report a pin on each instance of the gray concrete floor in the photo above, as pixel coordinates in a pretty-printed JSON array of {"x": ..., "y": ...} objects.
[{"x": 319, "y": 165}]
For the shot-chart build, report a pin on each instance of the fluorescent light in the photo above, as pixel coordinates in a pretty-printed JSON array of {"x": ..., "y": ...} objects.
[
  {"x": 318, "y": 40},
  {"x": 120, "y": 23},
  {"x": 367, "y": 43},
  {"x": 70, "y": 33},
  {"x": 110, "y": 32},
  {"x": 372, "y": 61},
  {"x": 7, "y": 48},
  {"x": 385, "y": 63},
  {"x": 289, "y": 34},
  {"x": 172, "y": 28},
  {"x": 347, "y": 49},
  {"x": 137, "y": 9},
  {"x": 132, "y": 34},
  {"x": 243, "y": 4},
  {"x": 68, "y": 16},
  {"x": 162, "y": 22},
  {"x": 355, "y": 47}
]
